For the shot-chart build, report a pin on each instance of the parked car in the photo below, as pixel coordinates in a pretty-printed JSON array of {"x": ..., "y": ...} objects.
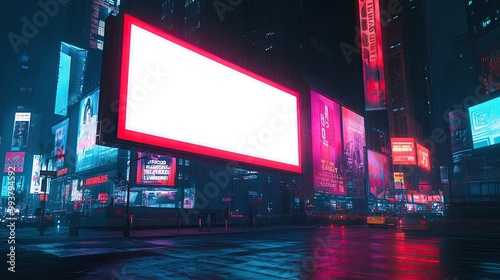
[
  {"x": 344, "y": 217},
  {"x": 418, "y": 221},
  {"x": 382, "y": 218}
]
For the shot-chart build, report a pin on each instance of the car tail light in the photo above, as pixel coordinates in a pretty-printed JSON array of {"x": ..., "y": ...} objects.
[
  {"x": 341, "y": 216},
  {"x": 423, "y": 222}
]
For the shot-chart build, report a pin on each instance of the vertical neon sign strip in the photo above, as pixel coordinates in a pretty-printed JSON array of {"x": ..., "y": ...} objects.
[{"x": 372, "y": 55}]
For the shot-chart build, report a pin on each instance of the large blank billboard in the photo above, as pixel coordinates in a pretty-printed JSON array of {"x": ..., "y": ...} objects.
[{"x": 176, "y": 96}]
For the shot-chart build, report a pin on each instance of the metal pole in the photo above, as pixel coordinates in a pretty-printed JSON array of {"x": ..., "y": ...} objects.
[
  {"x": 44, "y": 184},
  {"x": 127, "y": 225},
  {"x": 126, "y": 229}
]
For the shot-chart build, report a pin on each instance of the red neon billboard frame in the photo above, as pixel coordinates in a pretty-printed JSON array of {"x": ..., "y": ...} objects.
[{"x": 246, "y": 156}]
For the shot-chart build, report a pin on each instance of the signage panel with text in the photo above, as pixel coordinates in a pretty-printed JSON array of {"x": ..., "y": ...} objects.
[{"x": 403, "y": 151}]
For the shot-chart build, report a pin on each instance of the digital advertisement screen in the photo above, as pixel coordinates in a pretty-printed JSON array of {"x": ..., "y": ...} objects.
[
  {"x": 403, "y": 151},
  {"x": 88, "y": 154},
  {"x": 485, "y": 123},
  {"x": 62, "y": 92},
  {"x": 378, "y": 173},
  {"x": 21, "y": 130},
  {"x": 162, "y": 198},
  {"x": 60, "y": 132},
  {"x": 354, "y": 142},
  {"x": 327, "y": 145},
  {"x": 72, "y": 64},
  {"x": 14, "y": 162},
  {"x": 155, "y": 170},
  {"x": 76, "y": 195},
  {"x": 189, "y": 198},
  {"x": 202, "y": 106},
  {"x": 461, "y": 140},
  {"x": 36, "y": 183},
  {"x": 11, "y": 181},
  {"x": 372, "y": 55},
  {"x": 423, "y": 159},
  {"x": 487, "y": 49},
  {"x": 399, "y": 180}
]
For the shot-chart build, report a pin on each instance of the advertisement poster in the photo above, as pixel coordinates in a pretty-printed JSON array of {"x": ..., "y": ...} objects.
[
  {"x": 354, "y": 141},
  {"x": 20, "y": 132},
  {"x": 399, "y": 180},
  {"x": 88, "y": 154},
  {"x": 326, "y": 141},
  {"x": 36, "y": 183},
  {"x": 423, "y": 159},
  {"x": 155, "y": 170},
  {"x": 76, "y": 195},
  {"x": 14, "y": 162},
  {"x": 10, "y": 181},
  {"x": 60, "y": 132},
  {"x": 403, "y": 151},
  {"x": 372, "y": 55},
  {"x": 378, "y": 173},
  {"x": 162, "y": 198}
]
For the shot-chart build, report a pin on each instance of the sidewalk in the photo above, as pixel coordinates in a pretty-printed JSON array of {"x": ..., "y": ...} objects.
[
  {"x": 61, "y": 233},
  {"x": 468, "y": 228}
]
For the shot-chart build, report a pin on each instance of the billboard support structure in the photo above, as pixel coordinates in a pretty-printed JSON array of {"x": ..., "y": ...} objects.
[{"x": 128, "y": 220}]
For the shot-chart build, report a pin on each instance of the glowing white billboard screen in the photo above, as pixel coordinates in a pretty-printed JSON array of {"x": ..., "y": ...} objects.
[{"x": 174, "y": 95}]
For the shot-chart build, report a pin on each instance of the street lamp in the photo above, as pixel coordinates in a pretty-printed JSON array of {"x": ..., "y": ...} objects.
[{"x": 127, "y": 224}]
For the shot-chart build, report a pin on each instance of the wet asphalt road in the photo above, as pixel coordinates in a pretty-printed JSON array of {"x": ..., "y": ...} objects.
[{"x": 340, "y": 252}]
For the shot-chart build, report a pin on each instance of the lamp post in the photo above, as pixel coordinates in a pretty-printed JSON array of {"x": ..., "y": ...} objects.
[{"x": 127, "y": 224}]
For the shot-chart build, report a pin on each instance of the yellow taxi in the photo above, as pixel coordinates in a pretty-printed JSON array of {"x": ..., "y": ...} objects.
[
  {"x": 344, "y": 217},
  {"x": 381, "y": 218}
]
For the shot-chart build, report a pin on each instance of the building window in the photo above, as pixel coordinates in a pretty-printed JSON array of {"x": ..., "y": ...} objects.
[
  {"x": 486, "y": 22},
  {"x": 186, "y": 176},
  {"x": 179, "y": 175},
  {"x": 181, "y": 161},
  {"x": 186, "y": 162}
]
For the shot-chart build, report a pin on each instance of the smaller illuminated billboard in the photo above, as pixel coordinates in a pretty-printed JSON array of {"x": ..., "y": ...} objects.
[
  {"x": 36, "y": 183},
  {"x": 423, "y": 159},
  {"x": 403, "y": 151},
  {"x": 189, "y": 198},
  {"x": 88, "y": 154},
  {"x": 485, "y": 123},
  {"x": 72, "y": 64},
  {"x": 14, "y": 162},
  {"x": 60, "y": 132},
  {"x": 20, "y": 132},
  {"x": 8, "y": 183},
  {"x": 155, "y": 170},
  {"x": 162, "y": 197},
  {"x": 399, "y": 180},
  {"x": 76, "y": 195},
  {"x": 327, "y": 145},
  {"x": 372, "y": 55},
  {"x": 354, "y": 141},
  {"x": 378, "y": 173}
]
